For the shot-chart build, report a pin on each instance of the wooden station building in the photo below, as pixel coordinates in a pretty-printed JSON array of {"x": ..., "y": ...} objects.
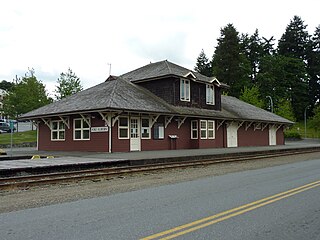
[{"x": 159, "y": 106}]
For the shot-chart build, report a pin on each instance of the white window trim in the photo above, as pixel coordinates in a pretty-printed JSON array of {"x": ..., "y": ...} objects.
[
  {"x": 82, "y": 129},
  {"x": 211, "y": 129},
  {"x": 194, "y": 129},
  {"x": 210, "y": 94},
  {"x": 123, "y": 127},
  {"x": 149, "y": 128},
  {"x": 58, "y": 130},
  {"x": 204, "y": 129},
  {"x": 159, "y": 126},
  {"x": 183, "y": 84}
]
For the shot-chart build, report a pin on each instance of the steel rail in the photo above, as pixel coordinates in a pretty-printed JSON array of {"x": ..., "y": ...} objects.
[{"x": 91, "y": 174}]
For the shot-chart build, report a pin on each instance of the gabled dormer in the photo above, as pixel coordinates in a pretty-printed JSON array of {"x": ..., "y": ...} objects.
[{"x": 178, "y": 86}]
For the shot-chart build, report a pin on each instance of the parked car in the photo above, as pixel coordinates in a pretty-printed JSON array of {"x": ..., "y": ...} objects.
[{"x": 5, "y": 127}]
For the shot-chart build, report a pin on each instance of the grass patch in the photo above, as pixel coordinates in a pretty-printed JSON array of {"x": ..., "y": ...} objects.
[{"x": 19, "y": 137}]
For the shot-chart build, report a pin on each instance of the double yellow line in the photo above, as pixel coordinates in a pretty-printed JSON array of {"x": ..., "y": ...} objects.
[{"x": 204, "y": 222}]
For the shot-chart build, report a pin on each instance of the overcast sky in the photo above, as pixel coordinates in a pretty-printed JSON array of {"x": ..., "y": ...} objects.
[{"x": 87, "y": 36}]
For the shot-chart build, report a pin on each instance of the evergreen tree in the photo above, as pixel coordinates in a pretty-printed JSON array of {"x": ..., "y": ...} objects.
[
  {"x": 314, "y": 67},
  {"x": 203, "y": 65},
  {"x": 229, "y": 64},
  {"x": 68, "y": 84},
  {"x": 285, "y": 110},
  {"x": 294, "y": 41},
  {"x": 28, "y": 94}
]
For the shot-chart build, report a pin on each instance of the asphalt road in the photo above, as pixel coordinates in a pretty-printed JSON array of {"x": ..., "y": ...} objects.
[{"x": 280, "y": 202}]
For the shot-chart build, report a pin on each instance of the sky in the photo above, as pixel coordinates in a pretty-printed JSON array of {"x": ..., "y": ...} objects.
[{"x": 92, "y": 37}]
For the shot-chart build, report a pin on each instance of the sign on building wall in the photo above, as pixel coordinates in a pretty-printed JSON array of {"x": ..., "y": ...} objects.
[{"x": 99, "y": 129}]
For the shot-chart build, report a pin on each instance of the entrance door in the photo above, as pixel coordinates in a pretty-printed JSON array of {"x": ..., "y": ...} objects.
[
  {"x": 232, "y": 135},
  {"x": 272, "y": 136},
  {"x": 135, "y": 134}
]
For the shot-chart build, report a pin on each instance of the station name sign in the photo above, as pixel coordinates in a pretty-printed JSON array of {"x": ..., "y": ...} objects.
[{"x": 99, "y": 129}]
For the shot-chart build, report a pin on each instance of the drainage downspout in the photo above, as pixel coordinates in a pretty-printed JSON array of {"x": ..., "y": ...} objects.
[{"x": 110, "y": 134}]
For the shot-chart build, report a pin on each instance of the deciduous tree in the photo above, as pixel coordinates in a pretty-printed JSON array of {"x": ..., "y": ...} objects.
[{"x": 68, "y": 84}]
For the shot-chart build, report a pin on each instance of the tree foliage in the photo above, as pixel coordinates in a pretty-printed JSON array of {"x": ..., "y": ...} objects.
[
  {"x": 252, "y": 96},
  {"x": 285, "y": 110},
  {"x": 68, "y": 84},
  {"x": 315, "y": 120},
  {"x": 229, "y": 64},
  {"x": 5, "y": 85},
  {"x": 203, "y": 65},
  {"x": 28, "y": 94}
]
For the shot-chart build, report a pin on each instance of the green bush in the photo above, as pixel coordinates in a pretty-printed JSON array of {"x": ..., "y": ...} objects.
[{"x": 292, "y": 134}]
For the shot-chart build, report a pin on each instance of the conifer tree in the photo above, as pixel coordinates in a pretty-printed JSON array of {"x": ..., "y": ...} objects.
[{"x": 203, "y": 65}]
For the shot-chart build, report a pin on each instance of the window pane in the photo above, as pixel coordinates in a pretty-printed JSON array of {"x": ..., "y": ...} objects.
[
  {"x": 194, "y": 124},
  {"x": 123, "y": 122},
  {"x": 145, "y": 132},
  {"x": 203, "y": 134},
  {"x": 187, "y": 90},
  {"x": 182, "y": 89},
  {"x": 194, "y": 134},
  {"x": 77, "y": 134},
  {"x": 145, "y": 122},
  {"x": 54, "y": 135},
  {"x": 61, "y": 125},
  {"x": 210, "y": 125},
  {"x": 61, "y": 135},
  {"x": 123, "y": 133},
  {"x": 86, "y": 134},
  {"x": 77, "y": 123},
  {"x": 85, "y": 124},
  {"x": 210, "y": 134},
  {"x": 203, "y": 124},
  {"x": 54, "y": 125}
]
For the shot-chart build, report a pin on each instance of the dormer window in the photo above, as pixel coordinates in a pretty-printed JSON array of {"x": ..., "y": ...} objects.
[
  {"x": 185, "y": 90},
  {"x": 210, "y": 98}
]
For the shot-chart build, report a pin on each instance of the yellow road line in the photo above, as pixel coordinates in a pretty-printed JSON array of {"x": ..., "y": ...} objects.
[{"x": 231, "y": 213}]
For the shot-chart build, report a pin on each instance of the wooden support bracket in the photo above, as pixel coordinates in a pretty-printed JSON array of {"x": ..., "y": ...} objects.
[
  {"x": 154, "y": 120},
  {"x": 65, "y": 121},
  {"x": 47, "y": 123},
  {"x": 248, "y": 124},
  {"x": 167, "y": 120},
  {"x": 219, "y": 123},
  {"x": 86, "y": 120},
  {"x": 264, "y": 126},
  {"x": 257, "y": 126},
  {"x": 240, "y": 124},
  {"x": 181, "y": 121}
]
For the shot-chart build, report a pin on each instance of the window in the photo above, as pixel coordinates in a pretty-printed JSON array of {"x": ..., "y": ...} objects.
[
  {"x": 203, "y": 129},
  {"x": 210, "y": 94},
  {"x": 57, "y": 131},
  {"x": 145, "y": 128},
  {"x": 158, "y": 132},
  {"x": 81, "y": 129},
  {"x": 123, "y": 128},
  {"x": 184, "y": 90},
  {"x": 211, "y": 128},
  {"x": 194, "y": 129}
]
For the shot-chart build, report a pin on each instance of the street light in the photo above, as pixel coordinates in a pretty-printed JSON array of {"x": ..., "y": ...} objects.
[
  {"x": 305, "y": 121},
  {"x": 271, "y": 103}
]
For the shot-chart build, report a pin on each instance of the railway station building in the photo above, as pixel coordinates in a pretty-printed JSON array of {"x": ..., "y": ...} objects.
[{"x": 160, "y": 106}]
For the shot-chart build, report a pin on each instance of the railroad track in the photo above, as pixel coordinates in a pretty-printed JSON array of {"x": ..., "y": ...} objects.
[{"x": 10, "y": 183}]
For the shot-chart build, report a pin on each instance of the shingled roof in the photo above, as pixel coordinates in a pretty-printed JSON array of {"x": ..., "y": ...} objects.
[
  {"x": 119, "y": 94},
  {"x": 164, "y": 69}
]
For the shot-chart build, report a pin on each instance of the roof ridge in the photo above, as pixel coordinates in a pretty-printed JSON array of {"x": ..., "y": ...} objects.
[{"x": 167, "y": 63}]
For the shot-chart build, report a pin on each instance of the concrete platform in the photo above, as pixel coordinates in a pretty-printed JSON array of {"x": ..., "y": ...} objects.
[{"x": 92, "y": 159}]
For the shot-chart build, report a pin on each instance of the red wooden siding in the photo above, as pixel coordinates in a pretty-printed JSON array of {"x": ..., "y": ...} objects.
[{"x": 253, "y": 137}]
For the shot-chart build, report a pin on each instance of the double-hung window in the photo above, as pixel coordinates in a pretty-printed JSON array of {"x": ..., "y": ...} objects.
[
  {"x": 123, "y": 128},
  {"x": 207, "y": 129},
  {"x": 210, "y": 94},
  {"x": 145, "y": 128},
  {"x": 185, "y": 90},
  {"x": 203, "y": 129},
  {"x": 194, "y": 129},
  {"x": 57, "y": 131},
  {"x": 211, "y": 128},
  {"x": 81, "y": 129},
  {"x": 158, "y": 131}
]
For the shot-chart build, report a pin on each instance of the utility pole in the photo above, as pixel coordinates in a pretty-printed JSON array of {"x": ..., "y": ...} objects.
[
  {"x": 305, "y": 121},
  {"x": 109, "y": 68}
]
